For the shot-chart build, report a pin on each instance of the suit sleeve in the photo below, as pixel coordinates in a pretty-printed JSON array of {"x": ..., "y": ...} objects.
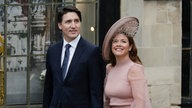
[
  {"x": 96, "y": 74},
  {"x": 48, "y": 86},
  {"x": 106, "y": 99}
]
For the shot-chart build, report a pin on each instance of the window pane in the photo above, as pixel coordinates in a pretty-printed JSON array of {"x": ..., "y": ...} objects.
[
  {"x": 42, "y": 18},
  {"x": 17, "y": 44},
  {"x": 17, "y": 19},
  {"x": 16, "y": 1},
  {"x": 17, "y": 30},
  {"x": 2, "y": 19},
  {"x": 29, "y": 33},
  {"x": 37, "y": 74},
  {"x": 39, "y": 29},
  {"x": 2, "y": 2},
  {"x": 16, "y": 80}
]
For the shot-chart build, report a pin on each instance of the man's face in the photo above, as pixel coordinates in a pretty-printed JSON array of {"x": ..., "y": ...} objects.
[{"x": 70, "y": 26}]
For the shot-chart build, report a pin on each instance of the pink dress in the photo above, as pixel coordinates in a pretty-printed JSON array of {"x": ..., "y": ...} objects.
[{"x": 126, "y": 86}]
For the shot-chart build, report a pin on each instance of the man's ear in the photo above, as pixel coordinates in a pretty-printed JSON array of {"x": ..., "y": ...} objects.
[{"x": 59, "y": 26}]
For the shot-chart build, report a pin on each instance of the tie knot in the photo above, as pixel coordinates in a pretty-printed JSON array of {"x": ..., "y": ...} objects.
[{"x": 67, "y": 46}]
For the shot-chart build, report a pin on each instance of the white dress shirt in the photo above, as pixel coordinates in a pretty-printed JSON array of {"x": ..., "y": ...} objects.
[{"x": 71, "y": 49}]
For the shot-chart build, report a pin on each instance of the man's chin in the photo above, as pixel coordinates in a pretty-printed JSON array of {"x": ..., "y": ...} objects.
[{"x": 74, "y": 35}]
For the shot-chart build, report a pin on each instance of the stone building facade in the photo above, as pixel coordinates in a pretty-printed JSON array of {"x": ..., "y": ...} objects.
[{"x": 159, "y": 42}]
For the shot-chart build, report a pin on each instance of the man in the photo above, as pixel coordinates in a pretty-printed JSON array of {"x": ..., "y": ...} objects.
[{"x": 81, "y": 86}]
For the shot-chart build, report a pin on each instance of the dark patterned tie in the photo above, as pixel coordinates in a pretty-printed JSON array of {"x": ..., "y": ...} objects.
[{"x": 66, "y": 59}]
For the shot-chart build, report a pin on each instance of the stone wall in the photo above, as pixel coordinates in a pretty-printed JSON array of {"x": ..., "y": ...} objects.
[{"x": 159, "y": 46}]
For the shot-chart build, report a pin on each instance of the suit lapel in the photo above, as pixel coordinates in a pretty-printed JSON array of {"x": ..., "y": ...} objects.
[{"x": 58, "y": 60}]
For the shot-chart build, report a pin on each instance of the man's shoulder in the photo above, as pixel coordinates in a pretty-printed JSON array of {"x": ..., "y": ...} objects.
[
  {"x": 55, "y": 46},
  {"x": 87, "y": 43}
]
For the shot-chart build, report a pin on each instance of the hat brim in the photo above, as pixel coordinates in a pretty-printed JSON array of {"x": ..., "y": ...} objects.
[{"x": 106, "y": 43}]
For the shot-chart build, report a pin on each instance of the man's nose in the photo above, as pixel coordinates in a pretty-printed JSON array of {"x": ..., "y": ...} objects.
[{"x": 73, "y": 24}]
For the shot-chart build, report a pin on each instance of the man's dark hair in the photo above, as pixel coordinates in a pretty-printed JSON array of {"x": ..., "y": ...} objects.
[{"x": 67, "y": 9}]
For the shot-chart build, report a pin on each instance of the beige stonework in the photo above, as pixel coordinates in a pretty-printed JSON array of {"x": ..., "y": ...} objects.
[
  {"x": 159, "y": 47},
  {"x": 175, "y": 107}
]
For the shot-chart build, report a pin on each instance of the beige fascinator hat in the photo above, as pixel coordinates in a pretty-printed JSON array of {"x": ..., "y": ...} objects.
[{"x": 125, "y": 25}]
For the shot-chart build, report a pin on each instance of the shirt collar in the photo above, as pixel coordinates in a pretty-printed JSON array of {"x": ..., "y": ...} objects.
[{"x": 73, "y": 43}]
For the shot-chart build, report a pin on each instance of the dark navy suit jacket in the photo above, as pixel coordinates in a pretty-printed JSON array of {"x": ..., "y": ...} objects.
[{"x": 83, "y": 85}]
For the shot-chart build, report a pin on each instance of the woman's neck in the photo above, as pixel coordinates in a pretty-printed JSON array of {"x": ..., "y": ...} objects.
[{"x": 122, "y": 60}]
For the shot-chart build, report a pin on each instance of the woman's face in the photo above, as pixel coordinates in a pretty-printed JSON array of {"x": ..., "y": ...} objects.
[{"x": 120, "y": 45}]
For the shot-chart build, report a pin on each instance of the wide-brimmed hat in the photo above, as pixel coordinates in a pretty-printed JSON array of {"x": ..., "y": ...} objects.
[{"x": 126, "y": 25}]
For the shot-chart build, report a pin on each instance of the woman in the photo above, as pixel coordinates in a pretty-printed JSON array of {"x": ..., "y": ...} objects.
[{"x": 126, "y": 85}]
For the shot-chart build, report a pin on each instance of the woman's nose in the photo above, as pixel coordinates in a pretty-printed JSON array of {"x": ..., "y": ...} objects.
[{"x": 118, "y": 43}]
